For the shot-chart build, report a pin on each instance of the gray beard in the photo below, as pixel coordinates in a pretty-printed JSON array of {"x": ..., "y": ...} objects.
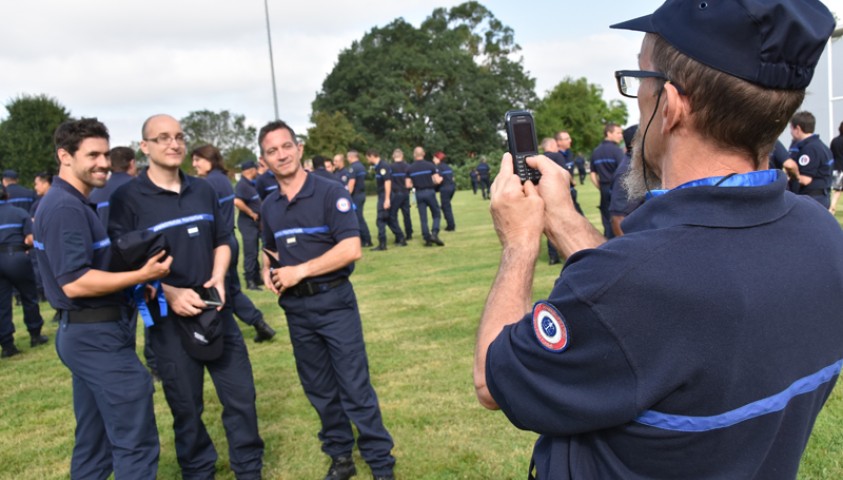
[{"x": 634, "y": 181}]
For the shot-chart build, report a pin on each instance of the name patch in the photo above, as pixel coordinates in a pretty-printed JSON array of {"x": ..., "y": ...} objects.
[
  {"x": 343, "y": 205},
  {"x": 550, "y": 327}
]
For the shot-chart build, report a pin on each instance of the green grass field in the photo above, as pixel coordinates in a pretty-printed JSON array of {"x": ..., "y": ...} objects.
[{"x": 420, "y": 308}]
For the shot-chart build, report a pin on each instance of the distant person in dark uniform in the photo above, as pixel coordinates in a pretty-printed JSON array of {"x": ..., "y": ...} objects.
[
  {"x": 550, "y": 146},
  {"x": 621, "y": 205},
  {"x": 484, "y": 173},
  {"x": 123, "y": 169},
  {"x": 16, "y": 273},
  {"x": 323, "y": 167},
  {"x": 604, "y": 161},
  {"x": 17, "y": 195},
  {"x": 41, "y": 184},
  {"x": 208, "y": 164},
  {"x": 194, "y": 337},
  {"x": 383, "y": 177},
  {"x": 424, "y": 178},
  {"x": 341, "y": 171},
  {"x": 357, "y": 188},
  {"x": 248, "y": 203},
  {"x": 836, "y": 148},
  {"x": 112, "y": 390},
  {"x": 446, "y": 190},
  {"x": 312, "y": 232},
  {"x": 400, "y": 192},
  {"x": 810, "y": 162},
  {"x": 580, "y": 164},
  {"x": 265, "y": 182}
]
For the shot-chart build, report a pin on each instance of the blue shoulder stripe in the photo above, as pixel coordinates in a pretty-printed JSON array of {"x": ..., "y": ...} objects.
[
  {"x": 301, "y": 231},
  {"x": 182, "y": 221},
  {"x": 229, "y": 198}
]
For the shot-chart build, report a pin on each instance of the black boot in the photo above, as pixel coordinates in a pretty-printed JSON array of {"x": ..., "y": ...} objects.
[
  {"x": 264, "y": 331},
  {"x": 342, "y": 468},
  {"x": 435, "y": 239},
  {"x": 251, "y": 285},
  {"x": 9, "y": 350},
  {"x": 380, "y": 248},
  {"x": 35, "y": 338}
]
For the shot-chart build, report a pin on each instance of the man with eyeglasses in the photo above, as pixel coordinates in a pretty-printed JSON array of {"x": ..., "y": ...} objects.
[
  {"x": 186, "y": 211},
  {"x": 673, "y": 351}
]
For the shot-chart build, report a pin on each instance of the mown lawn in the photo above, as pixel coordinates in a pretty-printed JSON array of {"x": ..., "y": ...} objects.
[{"x": 420, "y": 308}]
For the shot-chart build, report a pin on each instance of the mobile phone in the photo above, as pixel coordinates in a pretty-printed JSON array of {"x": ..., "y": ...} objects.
[
  {"x": 521, "y": 137},
  {"x": 210, "y": 296}
]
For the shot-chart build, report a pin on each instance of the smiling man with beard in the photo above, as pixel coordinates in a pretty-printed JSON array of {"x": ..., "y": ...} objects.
[{"x": 674, "y": 351}]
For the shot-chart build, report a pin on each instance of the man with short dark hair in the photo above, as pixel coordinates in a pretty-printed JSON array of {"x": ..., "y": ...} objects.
[
  {"x": 248, "y": 203},
  {"x": 400, "y": 192},
  {"x": 357, "y": 187},
  {"x": 309, "y": 227},
  {"x": 383, "y": 177},
  {"x": 123, "y": 169},
  {"x": 704, "y": 342},
  {"x": 112, "y": 391},
  {"x": 810, "y": 163},
  {"x": 16, "y": 194},
  {"x": 605, "y": 159}
]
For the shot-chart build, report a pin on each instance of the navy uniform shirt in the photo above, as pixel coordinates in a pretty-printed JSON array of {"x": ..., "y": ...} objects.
[
  {"x": 421, "y": 174},
  {"x": 815, "y": 160},
  {"x": 671, "y": 352},
  {"x": 447, "y": 175},
  {"x": 321, "y": 172},
  {"x": 20, "y": 196},
  {"x": 245, "y": 190},
  {"x": 100, "y": 196},
  {"x": 320, "y": 216},
  {"x": 70, "y": 240},
  {"x": 225, "y": 197},
  {"x": 265, "y": 184},
  {"x": 778, "y": 156},
  {"x": 190, "y": 221},
  {"x": 483, "y": 170},
  {"x": 836, "y": 148},
  {"x": 383, "y": 173},
  {"x": 399, "y": 177},
  {"x": 605, "y": 159},
  {"x": 358, "y": 173},
  {"x": 15, "y": 225},
  {"x": 343, "y": 175}
]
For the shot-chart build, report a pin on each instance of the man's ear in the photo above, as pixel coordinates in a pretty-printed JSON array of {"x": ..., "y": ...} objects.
[
  {"x": 64, "y": 157},
  {"x": 675, "y": 109}
]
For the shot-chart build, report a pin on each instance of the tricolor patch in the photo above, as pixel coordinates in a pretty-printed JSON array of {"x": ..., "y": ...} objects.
[
  {"x": 804, "y": 160},
  {"x": 550, "y": 328},
  {"x": 343, "y": 205}
]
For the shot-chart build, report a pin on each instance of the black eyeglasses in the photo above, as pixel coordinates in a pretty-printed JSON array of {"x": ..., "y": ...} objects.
[
  {"x": 629, "y": 81},
  {"x": 165, "y": 140}
]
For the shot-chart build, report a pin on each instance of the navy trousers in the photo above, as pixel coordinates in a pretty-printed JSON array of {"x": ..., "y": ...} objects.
[
  {"x": 426, "y": 199},
  {"x": 605, "y": 216},
  {"x": 183, "y": 377},
  {"x": 16, "y": 274},
  {"x": 327, "y": 338},
  {"x": 251, "y": 264},
  {"x": 384, "y": 219},
  {"x": 401, "y": 202},
  {"x": 445, "y": 195},
  {"x": 112, "y": 401},
  {"x": 359, "y": 200},
  {"x": 242, "y": 305}
]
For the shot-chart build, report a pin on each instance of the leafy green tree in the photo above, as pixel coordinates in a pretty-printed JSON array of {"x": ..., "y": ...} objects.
[
  {"x": 26, "y": 135},
  {"x": 224, "y": 130},
  {"x": 444, "y": 85},
  {"x": 331, "y": 133},
  {"x": 577, "y": 107}
]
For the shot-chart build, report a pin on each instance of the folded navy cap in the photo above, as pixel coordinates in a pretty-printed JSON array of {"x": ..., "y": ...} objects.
[
  {"x": 10, "y": 174},
  {"x": 247, "y": 165},
  {"x": 771, "y": 43}
]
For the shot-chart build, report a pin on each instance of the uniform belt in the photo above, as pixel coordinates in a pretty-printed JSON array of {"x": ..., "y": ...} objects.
[
  {"x": 307, "y": 289},
  {"x": 93, "y": 315},
  {"x": 12, "y": 248}
]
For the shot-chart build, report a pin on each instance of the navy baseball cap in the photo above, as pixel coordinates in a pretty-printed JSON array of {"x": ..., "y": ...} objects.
[
  {"x": 774, "y": 44},
  {"x": 247, "y": 165},
  {"x": 10, "y": 174}
]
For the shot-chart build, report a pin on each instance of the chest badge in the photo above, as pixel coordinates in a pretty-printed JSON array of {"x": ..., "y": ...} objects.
[
  {"x": 804, "y": 160},
  {"x": 192, "y": 231},
  {"x": 550, "y": 327},
  {"x": 343, "y": 205}
]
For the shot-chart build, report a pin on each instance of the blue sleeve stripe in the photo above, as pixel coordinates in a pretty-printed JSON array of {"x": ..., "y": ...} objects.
[
  {"x": 101, "y": 244},
  {"x": 256, "y": 197},
  {"x": 426, "y": 172},
  {"x": 399, "y": 174},
  {"x": 229, "y": 198},
  {"x": 11, "y": 225},
  {"x": 38, "y": 245},
  {"x": 20, "y": 200},
  {"x": 603, "y": 160},
  {"x": 301, "y": 231},
  {"x": 102, "y": 205},
  {"x": 182, "y": 221},
  {"x": 774, "y": 403}
]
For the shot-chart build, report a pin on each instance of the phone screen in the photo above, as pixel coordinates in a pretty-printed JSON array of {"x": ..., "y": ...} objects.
[{"x": 524, "y": 137}]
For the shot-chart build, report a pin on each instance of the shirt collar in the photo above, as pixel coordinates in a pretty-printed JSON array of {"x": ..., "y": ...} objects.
[
  {"x": 307, "y": 190},
  {"x": 150, "y": 188},
  {"x": 67, "y": 187}
]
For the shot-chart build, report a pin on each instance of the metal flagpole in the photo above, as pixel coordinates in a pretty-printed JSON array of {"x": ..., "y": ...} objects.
[{"x": 271, "y": 62}]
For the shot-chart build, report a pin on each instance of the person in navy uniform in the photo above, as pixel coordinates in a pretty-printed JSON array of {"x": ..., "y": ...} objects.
[
  {"x": 673, "y": 351},
  {"x": 322, "y": 167},
  {"x": 16, "y": 194},
  {"x": 357, "y": 187},
  {"x": 550, "y": 146},
  {"x": 112, "y": 391},
  {"x": 811, "y": 162},
  {"x": 310, "y": 228},
  {"x": 208, "y": 164},
  {"x": 186, "y": 211},
  {"x": 605, "y": 159},
  {"x": 264, "y": 182},
  {"x": 424, "y": 178},
  {"x": 400, "y": 192},
  {"x": 248, "y": 203},
  {"x": 16, "y": 273},
  {"x": 341, "y": 171},
  {"x": 446, "y": 190},
  {"x": 620, "y": 205},
  {"x": 383, "y": 177},
  {"x": 41, "y": 184},
  {"x": 123, "y": 169},
  {"x": 484, "y": 173},
  {"x": 836, "y": 148}
]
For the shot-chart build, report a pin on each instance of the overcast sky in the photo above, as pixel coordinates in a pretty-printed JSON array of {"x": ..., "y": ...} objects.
[{"x": 122, "y": 61}]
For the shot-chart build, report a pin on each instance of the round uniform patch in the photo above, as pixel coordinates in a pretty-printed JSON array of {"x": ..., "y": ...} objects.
[
  {"x": 804, "y": 160},
  {"x": 550, "y": 328},
  {"x": 383, "y": 171},
  {"x": 343, "y": 205}
]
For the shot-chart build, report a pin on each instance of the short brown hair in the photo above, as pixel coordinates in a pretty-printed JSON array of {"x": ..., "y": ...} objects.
[{"x": 732, "y": 113}]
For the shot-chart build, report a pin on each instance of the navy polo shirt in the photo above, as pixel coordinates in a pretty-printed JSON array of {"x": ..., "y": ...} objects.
[
  {"x": 70, "y": 240},
  {"x": 15, "y": 225},
  {"x": 358, "y": 173},
  {"x": 399, "y": 176},
  {"x": 343, "y": 175},
  {"x": 321, "y": 172},
  {"x": 189, "y": 220},
  {"x": 483, "y": 170},
  {"x": 383, "y": 173},
  {"x": 320, "y": 216},
  {"x": 836, "y": 148},
  {"x": 100, "y": 196},
  {"x": 605, "y": 160},
  {"x": 447, "y": 174},
  {"x": 421, "y": 174},
  {"x": 265, "y": 184},
  {"x": 778, "y": 156},
  {"x": 20, "y": 196},
  {"x": 815, "y": 160},
  {"x": 672, "y": 352},
  {"x": 245, "y": 190},
  {"x": 225, "y": 197}
]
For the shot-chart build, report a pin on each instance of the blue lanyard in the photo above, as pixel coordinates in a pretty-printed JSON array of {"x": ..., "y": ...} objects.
[{"x": 751, "y": 179}]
